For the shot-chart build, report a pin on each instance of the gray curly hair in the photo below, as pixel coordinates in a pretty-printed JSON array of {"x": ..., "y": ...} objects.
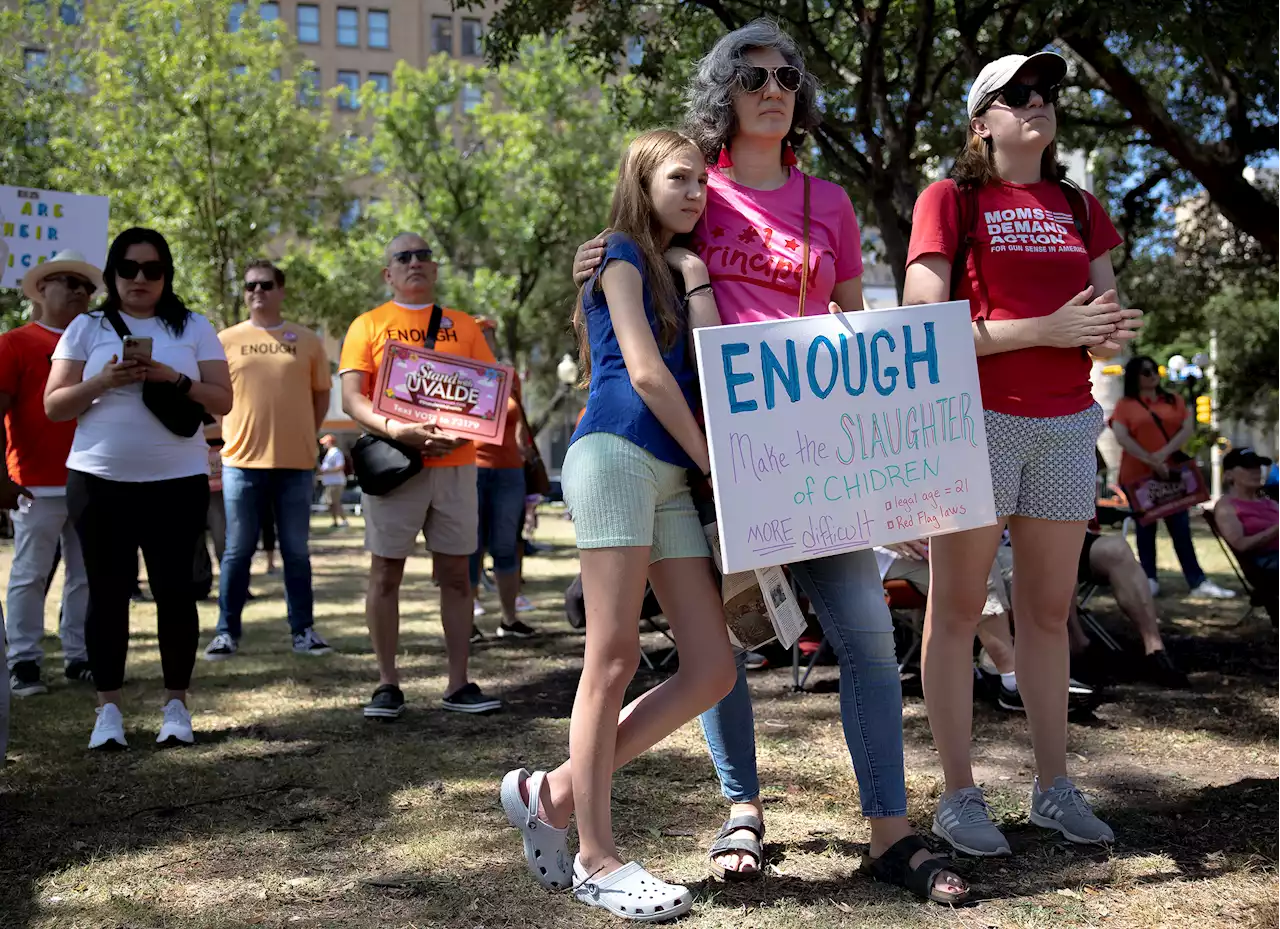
[{"x": 709, "y": 117}]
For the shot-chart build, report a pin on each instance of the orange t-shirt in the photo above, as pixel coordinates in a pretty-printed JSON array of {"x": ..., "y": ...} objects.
[
  {"x": 1136, "y": 417},
  {"x": 37, "y": 448},
  {"x": 367, "y": 337},
  {"x": 506, "y": 455}
]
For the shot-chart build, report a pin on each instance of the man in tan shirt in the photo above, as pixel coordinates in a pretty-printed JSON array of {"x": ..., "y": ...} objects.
[{"x": 280, "y": 382}]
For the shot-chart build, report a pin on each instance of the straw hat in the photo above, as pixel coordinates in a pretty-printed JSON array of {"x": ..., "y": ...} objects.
[{"x": 64, "y": 262}]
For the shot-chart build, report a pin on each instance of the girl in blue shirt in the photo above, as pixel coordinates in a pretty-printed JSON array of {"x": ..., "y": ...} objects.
[{"x": 625, "y": 480}]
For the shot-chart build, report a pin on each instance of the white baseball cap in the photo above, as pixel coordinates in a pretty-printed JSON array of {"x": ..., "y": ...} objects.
[
  {"x": 62, "y": 262},
  {"x": 1003, "y": 70}
]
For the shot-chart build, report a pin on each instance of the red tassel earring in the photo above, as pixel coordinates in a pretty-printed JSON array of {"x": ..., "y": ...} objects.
[
  {"x": 724, "y": 161},
  {"x": 789, "y": 156}
]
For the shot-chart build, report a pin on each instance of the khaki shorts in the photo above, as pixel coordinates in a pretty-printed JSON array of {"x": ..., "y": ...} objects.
[
  {"x": 333, "y": 493},
  {"x": 441, "y": 503}
]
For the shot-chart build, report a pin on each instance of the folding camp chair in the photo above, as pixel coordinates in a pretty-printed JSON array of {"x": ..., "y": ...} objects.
[
  {"x": 576, "y": 612},
  {"x": 1084, "y": 593},
  {"x": 1251, "y": 590}
]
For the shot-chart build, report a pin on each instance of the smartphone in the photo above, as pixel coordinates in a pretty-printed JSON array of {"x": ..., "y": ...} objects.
[{"x": 137, "y": 348}]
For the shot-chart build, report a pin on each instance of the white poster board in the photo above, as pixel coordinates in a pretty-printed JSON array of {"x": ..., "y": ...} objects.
[
  {"x": 833, "y": 433},
  {"x": 35, "y": 224}
]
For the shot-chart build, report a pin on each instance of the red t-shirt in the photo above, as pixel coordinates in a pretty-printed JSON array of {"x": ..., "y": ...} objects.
[
  {"x": 1031, "y": 261},
  {"x": 38, "y": 448}
]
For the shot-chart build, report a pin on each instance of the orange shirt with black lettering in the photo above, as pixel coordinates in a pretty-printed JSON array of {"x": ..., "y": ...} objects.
[
  {"x": 37, "y": 448},
  {"x": 366, "y": 341}
]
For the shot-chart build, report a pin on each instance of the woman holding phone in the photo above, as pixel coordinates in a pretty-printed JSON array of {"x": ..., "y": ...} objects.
[
  {"x": 1043, "y": 299},
  {"x": 132, "y": 483},
  {"x": 750, "y": 106}
]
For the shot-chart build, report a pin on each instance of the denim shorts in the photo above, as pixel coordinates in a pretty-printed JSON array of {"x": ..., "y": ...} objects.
[
  {"x": 620, "y": 495},
  {"x": 1045, "y": 468}
]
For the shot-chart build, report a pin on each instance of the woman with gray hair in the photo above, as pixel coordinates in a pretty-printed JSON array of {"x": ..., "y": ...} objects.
[{"x": 749, "y": 107}]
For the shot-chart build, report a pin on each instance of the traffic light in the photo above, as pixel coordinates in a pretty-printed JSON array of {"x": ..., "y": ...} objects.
[{"x": 1204, "y": 409}]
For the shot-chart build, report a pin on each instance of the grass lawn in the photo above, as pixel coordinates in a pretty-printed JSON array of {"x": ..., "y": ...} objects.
[{"x": 294, "y": 811}]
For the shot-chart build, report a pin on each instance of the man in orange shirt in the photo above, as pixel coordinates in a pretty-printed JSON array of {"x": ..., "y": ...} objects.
[
  {"x": 440, "y": 501},
  {"x": 35, "y": 462}
]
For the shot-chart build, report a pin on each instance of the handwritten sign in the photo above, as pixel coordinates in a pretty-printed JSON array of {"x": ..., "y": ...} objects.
[
  {"x": 465, "y": 398},
  {"x": 834, "y": 433},
  {"x": 36, "y": 224}
]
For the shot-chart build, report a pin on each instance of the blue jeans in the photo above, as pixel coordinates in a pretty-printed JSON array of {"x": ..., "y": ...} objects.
[
  {"x": 1179, "y": 525},
  {"x": 847, "y": 594},
  {"x": 501, "y": 493},
  {"x": 246, "y": 492}
]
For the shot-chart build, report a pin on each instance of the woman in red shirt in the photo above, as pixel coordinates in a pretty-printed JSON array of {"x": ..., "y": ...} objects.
[
  {"x": 1031, "y": 256},
  {"x": 1151, "y": 424}
]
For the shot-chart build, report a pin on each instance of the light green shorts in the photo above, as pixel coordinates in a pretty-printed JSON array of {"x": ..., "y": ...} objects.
[{"x": 620, "y": 495}]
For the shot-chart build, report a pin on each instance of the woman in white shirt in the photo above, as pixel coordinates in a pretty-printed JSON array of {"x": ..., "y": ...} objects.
[{"x": 132, "y": 482}]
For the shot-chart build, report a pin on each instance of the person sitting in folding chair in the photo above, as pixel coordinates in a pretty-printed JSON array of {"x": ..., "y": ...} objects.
[
  {"x": 1248, "y": 522},
  {"x": 1107, "y": 560}
]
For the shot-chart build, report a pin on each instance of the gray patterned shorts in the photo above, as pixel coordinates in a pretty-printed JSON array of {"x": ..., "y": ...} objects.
[{"x": 1044, "y": 468}]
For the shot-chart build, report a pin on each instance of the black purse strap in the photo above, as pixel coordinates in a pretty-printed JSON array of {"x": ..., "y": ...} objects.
[
  {"x": 113, "y": 317},
  {"x": 433, "y": 327},
  {"x": 1159, "y": 424}
]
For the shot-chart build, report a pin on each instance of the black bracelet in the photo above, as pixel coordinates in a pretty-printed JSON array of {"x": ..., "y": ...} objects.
[
  {"x": 707, "y": 476},
  {"x": 697, "y": 290},
  {"x": 183, "y": 384}
]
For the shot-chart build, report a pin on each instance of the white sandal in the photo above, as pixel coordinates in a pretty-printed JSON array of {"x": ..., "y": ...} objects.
[
  {"x": 546, "y": 848},
  {"x": 632, "y": 893}
]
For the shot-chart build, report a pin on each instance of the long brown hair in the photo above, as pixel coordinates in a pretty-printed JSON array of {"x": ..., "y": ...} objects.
[
  {"x": 632, "y": 214},
  {"x": 976, "y": 164}
]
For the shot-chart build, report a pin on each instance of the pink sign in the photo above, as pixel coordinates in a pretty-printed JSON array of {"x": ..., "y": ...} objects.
[{"x": 462, "y": 397}]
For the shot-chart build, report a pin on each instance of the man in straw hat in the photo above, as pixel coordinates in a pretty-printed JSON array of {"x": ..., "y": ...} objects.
[{"x": 35, "y": 478}]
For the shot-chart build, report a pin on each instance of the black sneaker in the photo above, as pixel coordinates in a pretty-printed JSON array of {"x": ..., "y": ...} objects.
[
  {"x": 469, "y": 699},
  {"x": 1159, "y": 669},
  {"x": 387, "y": 703},
  {"x": 79, "y": 671},
  {"x": 24, "y": 680},
  {"x": 1079, "y": 697},
  {"x": 1009, "y": 699},
  {"x": 517, "y": 630}
]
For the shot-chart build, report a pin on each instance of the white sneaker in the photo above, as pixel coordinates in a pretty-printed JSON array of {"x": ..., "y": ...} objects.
[
  {"x": 1208, "y": 588},
  {"x": 176, "y": 726},
  {"x": 1154, "y": 586},
  {"x": 108, "y": 731}
]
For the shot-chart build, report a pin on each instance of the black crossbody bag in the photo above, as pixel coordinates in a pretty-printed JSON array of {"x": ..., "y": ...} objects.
[
  {"x": 382, "y": 464},
  {"x": 176, "y": 411}
]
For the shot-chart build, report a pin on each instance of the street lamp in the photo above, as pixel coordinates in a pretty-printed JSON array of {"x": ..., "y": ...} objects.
[{"x": 567, "y": 371}]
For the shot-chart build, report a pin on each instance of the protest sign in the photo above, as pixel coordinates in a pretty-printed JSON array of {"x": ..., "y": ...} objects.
[
  {"x": 36, "y": 224},
  {"x": 465, "y": 398},
  {"x": 833, "y": 433}
]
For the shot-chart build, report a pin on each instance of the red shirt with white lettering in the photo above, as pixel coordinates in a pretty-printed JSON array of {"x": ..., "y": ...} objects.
[{"x": 1026, "y": 260}]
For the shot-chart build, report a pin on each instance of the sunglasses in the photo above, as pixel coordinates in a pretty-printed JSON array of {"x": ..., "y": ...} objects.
[
  {"x": 264, "y": 286},
  {"x": 1147, "y": 371},
  {"x": 755, "y": 79},
  {"x": 71, "y": 282},
  {"x": 151, "y": 270},
  {"x": 1019, "y": 95},
  {"x": 421, "y": 254}
]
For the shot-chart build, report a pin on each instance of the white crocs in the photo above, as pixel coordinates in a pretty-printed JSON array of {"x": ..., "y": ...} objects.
[
  {"x": 632, "y": 893},
  {"x": 546, "y": 848}
]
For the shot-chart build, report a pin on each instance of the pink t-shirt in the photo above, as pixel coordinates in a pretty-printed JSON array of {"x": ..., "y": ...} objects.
[{"x": 752, "y": 242}]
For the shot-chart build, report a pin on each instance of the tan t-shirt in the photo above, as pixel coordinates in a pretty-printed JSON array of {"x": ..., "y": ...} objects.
[{"x": 274, "y": 375}]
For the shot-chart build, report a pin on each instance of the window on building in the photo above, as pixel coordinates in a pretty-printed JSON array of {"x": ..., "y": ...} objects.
[
  {"x": 471, "y": 98},
  {"x": 381, "y": 81},
  {"x": 71, "y": 12},
  {"x": 309, "y": 23},
  {"x": 472, "y": 38},
  {"x": 268, "y": 12},
  {"x": 379, "y": 28},
  {"x": 348, "y": 26},
  {"x": 309, "y": 88},
  {"x": 349, "y": 99},
  {"x": 442, "y": 35}
]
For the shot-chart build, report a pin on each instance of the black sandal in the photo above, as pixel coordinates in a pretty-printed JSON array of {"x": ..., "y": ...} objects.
[
  {"x": 723, "y": 845},
  {"x": 894, "y": 867}
]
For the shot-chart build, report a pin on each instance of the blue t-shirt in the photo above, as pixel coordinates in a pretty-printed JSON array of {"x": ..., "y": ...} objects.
[{"x": 612, "y": 403}]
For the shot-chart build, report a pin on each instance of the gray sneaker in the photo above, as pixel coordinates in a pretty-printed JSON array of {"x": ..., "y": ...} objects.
[
  {"x": 1063, "y": 807},
  {"x": 964, "y": 820}
]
